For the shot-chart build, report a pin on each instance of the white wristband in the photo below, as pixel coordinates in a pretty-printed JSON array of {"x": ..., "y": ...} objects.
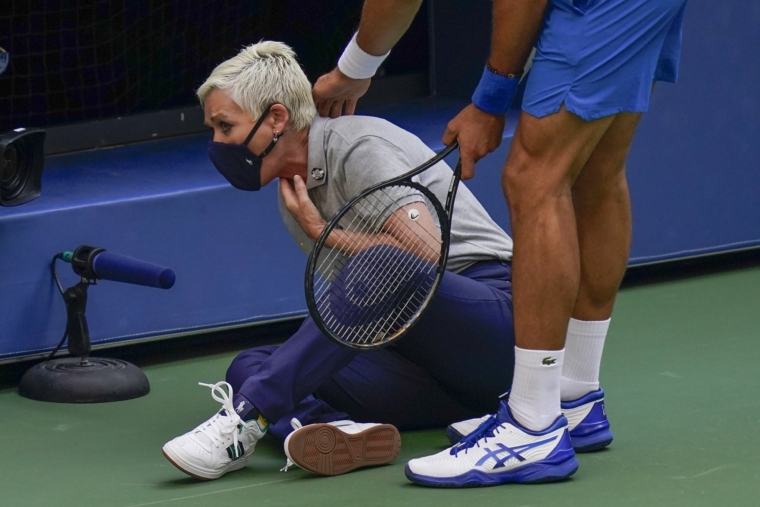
[{"x": 358, "y": 64}]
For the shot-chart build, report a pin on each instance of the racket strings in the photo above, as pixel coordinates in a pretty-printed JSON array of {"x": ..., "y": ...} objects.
[
  {"x": 367, "y": 289},
  {"x": 368, "y": 209},
  {"x": 392, "y": 311},
  {"x": 369, "y": 328},
  {"x": 367, "y": 233},
  {"x": 358, "y": 274},
  {"x": 341, "y": 255},
  {"x": 375, "y": 282},
  {"x": 404, "y": 313}
]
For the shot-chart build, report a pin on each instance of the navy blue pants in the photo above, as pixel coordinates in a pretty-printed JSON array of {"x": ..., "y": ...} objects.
[{"x": 452, "y": 365}]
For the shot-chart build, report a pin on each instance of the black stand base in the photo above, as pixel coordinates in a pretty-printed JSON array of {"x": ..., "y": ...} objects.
[{"x": 77, "y": 380}]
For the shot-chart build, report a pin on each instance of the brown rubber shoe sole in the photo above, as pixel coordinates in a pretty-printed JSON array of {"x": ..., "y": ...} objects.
[{"x": 326, "y": 450}]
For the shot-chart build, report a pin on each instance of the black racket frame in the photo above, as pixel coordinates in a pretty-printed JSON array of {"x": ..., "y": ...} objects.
[{"x": 445, "y": 222}]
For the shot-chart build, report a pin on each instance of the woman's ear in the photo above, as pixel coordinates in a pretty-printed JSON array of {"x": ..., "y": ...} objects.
[{"x": 280, "y": 118}]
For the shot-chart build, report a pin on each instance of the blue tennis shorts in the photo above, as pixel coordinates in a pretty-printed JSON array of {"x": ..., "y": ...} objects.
[{"x": 600, "y": 57}]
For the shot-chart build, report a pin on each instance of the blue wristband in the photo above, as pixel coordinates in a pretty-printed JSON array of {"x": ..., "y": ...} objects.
[{"x": 494, "y": 93}]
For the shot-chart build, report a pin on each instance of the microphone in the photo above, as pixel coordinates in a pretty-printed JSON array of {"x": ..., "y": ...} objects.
[{"x": 95, "y": 263}]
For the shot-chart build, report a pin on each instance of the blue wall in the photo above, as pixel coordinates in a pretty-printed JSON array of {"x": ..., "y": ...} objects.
[{"x": 694, "y": 170}]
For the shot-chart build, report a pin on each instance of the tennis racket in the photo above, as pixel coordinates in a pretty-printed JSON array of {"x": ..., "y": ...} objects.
[{"x": 380, "y": 259}]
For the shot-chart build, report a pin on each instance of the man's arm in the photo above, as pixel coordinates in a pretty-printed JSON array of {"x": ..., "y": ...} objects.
[
  {"x": 516, "y": 25},
  {"x": 382, "y": 24}
]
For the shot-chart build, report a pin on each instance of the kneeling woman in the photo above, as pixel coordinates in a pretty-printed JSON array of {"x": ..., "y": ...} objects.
[{"x": 452, "y": 365}]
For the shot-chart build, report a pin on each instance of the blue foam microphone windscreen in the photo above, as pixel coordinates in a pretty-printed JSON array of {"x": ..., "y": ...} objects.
[{"x": 120, "y": 268}]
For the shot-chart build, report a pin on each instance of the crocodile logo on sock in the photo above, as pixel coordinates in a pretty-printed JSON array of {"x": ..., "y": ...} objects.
[{"x": 548, "y": 361}]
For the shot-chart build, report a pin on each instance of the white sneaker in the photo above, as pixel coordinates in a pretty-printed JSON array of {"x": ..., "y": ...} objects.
[
  {"x": 220, "y": 445},
  {"x": 587, "y": 423},
  {"x": 342, "y": 446},
  {"x": 455, "y": 432},
  {"x": 498, "y": 452}
]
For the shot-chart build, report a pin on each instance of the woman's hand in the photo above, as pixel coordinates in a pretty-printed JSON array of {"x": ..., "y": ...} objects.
[
  {"x": 334, "y": 89},
  {"x": 299, "y": 204}
]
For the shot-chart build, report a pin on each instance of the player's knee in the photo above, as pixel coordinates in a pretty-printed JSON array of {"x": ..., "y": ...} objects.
[{"x": 531, "y": 184}]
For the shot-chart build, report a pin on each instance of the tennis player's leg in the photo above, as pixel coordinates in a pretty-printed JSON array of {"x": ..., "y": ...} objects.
[
  {"x": 597, "y": 62},
  {"x": 546, "y": 156},
  {"x": 603, "y": 216},
  {"x": 602, "y": 211}
]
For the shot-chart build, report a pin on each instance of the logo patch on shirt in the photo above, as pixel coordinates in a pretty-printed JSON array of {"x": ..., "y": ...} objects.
[{"x": 317, "y": 173}]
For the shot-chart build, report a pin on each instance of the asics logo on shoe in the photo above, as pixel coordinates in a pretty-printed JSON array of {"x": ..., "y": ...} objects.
[
  {"x": 234, "y": 453},
  {"x": 548, "y": 361},
  {"x": 510, "y": 452},
  {"x": 240, "y": 407}
]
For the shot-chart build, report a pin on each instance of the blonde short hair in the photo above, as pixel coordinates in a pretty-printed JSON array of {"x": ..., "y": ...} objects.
[{"x": 260, "y": 75}]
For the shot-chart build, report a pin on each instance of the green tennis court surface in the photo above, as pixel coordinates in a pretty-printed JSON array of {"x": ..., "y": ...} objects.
[{"x": 681, "y": 372}]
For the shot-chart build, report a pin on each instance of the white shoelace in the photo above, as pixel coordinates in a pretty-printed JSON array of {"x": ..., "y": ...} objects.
[
  {"x": 219, "y": 427},
  {"x": 295, "y": 424}
]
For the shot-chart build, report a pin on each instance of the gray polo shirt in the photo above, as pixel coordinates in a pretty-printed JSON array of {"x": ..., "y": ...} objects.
[{"x": 351, "y": 153}]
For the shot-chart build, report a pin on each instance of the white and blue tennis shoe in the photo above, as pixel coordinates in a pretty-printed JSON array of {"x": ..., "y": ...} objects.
[
  {"x": 499, "y": 451},
  {"x": 587, "y": 423}
]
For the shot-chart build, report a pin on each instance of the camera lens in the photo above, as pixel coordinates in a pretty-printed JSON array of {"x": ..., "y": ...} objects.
[
  {"x": 11, "y": 172},
  {"x": 22, "y": 159}
]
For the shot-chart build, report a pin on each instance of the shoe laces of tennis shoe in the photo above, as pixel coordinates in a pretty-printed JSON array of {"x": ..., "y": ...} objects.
[
  {"x": 486, "y": 430},
  {"x": 225, "y": 423},
  {"x": 296, "y": 425}
]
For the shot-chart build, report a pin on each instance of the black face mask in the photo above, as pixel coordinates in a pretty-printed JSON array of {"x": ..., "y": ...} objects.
[{"x": 236, "y": 162}]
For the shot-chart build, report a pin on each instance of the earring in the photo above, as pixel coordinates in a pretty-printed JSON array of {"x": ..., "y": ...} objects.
[{"x": 276, "y": 137}]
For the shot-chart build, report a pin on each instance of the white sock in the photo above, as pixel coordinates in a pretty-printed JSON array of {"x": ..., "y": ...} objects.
[
  {"x": 534, "y": 398},
  {"x": 583, "y": 357}
]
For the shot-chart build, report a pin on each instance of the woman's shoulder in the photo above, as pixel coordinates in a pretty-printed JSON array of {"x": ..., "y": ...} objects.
[{"x": 355, "y": 127}]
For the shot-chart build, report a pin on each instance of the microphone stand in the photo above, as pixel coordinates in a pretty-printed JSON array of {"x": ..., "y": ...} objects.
[
  {"x": 76, "y": 323},
  {"x": 81, "y": 378}
]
